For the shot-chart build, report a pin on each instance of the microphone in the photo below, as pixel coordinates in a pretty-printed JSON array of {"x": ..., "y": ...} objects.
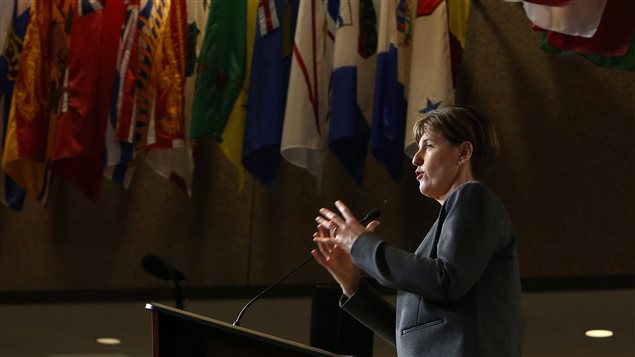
[
  {"x": 161, "y": 269},
  {"x": 370, "y": 216}
]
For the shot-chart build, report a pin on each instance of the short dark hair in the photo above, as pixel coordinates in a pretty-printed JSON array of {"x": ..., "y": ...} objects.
[{"x": 459, "y": 124}]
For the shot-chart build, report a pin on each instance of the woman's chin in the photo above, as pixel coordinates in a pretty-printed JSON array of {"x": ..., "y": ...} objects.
[{"x": 425, "y": 190}]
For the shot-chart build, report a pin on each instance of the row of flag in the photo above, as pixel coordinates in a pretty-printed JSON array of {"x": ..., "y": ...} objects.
[
  {"x": 93, "y": 87},
  {"x": 602, "y": 31},
  {"x": 313, "y": 83},
  {"x": 86, "y": 86}
]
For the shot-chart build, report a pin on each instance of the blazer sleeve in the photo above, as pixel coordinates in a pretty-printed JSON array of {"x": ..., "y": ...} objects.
[
  {"x": 369, "y": 308},
  {"x": 472, "y": 224}
]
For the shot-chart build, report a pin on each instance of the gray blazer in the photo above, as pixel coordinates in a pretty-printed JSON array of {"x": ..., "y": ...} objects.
[{"x": 458, "y": 294}]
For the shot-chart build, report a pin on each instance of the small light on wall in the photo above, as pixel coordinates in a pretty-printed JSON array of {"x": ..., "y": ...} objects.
[
  {"x": 108, "y": 341},
  {"x": 599, "y": 333}
]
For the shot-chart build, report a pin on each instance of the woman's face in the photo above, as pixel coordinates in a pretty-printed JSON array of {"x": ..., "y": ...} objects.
[{"x": 437, "y": 165}]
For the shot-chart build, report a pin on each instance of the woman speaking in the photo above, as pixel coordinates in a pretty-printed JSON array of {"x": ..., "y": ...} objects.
[{"x": 458, "y": 293}]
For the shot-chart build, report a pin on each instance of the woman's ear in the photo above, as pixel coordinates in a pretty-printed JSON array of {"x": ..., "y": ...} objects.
[{"x": 466, "y": 150}]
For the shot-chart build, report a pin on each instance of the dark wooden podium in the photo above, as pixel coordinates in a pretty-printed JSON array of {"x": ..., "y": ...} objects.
[{"x": 179, "y": 333}]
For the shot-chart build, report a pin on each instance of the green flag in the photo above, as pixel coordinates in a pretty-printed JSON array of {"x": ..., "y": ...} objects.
[
  {"x": 221, "y": 68},
  {"x": 626, "y": 62}
]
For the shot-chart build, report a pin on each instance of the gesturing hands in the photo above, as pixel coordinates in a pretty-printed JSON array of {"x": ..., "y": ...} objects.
[
  {"x": 334, "y": 237},
  {"x": 343, "y": 230}
]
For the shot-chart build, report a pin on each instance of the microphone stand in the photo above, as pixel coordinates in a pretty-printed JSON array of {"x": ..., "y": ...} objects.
[
  {"x": 373, "y": 214},
  {"x": 178, "y": 295},
  {"x": 300, "y": 265}
]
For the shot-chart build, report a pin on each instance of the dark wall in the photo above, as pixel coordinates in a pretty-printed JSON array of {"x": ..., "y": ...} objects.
[
  {"x": 567, "y": 128},
  {"x": 566, "y": 174}
]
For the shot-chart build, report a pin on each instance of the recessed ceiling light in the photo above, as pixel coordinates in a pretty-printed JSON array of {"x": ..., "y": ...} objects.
[
  {"x": 599, "y": 333},
  {"x": 108, "y": 341}
]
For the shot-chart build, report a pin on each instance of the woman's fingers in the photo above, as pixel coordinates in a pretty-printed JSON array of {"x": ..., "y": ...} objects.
[
  {"x": 320, "y": 258},
  {"x": 329, "y": 226},
  {"x": 322, "y": 231},
  {"x": 326, "y": 249},
  {"x": 372, "y": 225},
  {"x": 332, "y": 216},
  {"x": 325, "y": 259},
  {"x": 346, "y": 213},
  {"x": 324, "y": 240}
]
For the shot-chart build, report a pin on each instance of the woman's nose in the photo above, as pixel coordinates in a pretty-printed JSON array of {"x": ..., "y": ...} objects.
[{"x": 417, "y": 160}]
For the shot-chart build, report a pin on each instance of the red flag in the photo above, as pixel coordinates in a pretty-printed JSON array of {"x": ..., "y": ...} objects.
[
  {"x": 78, "y": 144},
  {"x": 613, "y": 36}
]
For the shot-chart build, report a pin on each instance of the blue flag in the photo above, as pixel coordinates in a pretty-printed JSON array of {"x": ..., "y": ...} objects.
[
  {"x": 271, "y": 64},
  {"x": 389, "y": 115},
  {"x": 393, "y": 64},
  {"x": 352, "y": 84}
]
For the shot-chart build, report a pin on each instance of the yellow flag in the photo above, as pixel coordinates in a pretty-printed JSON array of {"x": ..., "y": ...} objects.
[
  {"x": 232, "y": 144},
  {"x": 458, "y": 12}
]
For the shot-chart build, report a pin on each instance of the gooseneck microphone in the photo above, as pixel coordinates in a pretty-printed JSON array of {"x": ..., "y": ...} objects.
[
  {"x": 370, "y": 216},
  {"x": 158, "y": 267}
]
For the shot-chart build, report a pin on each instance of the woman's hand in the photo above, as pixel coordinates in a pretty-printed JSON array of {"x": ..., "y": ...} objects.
[
  {"x": 334, "y": 238},
  {"x": 337, "y": 262},
  {"x": 343, "y": 230}
]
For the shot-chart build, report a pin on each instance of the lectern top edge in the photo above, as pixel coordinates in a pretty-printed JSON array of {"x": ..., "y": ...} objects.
[{"x": 248, "y": 333}]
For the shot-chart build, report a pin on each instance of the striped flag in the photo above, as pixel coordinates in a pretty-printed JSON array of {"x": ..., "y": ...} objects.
[
  {"x": 393, "y": 63},
  {"x": 119, "y": 165},
  {"x": 353, "y": 84},
  {"x": 267, "y": 95},
  {"x": 267, "y": 17},
  {"x": 153, "y": 18},
  {"x": 431, "y": 68},
  {"x": 305, "y": 128}
]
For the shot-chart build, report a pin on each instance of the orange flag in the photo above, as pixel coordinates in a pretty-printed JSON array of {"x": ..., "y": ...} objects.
[{"x": 27, "y": 133}]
